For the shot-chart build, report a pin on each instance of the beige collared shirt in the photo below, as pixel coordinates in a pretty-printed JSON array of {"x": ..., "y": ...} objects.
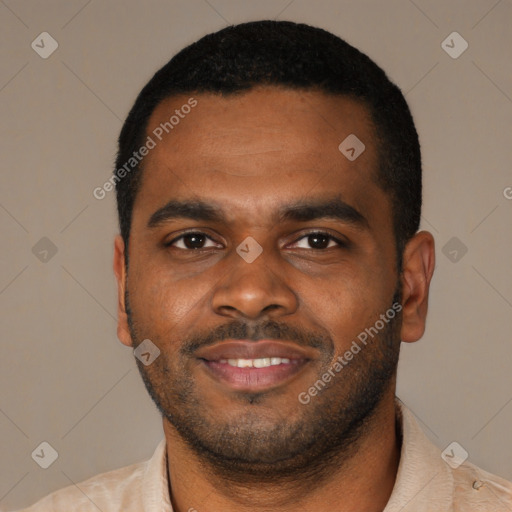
[{"x": 424, "y": 483}]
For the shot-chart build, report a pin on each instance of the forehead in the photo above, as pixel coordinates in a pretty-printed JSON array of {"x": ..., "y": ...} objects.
[{"x": 258, "y": 148}]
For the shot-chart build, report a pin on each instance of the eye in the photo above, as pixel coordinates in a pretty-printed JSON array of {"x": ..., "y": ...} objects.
[
  {"x": 319, "y": 240},
  {"x": 191, "y": 241}
]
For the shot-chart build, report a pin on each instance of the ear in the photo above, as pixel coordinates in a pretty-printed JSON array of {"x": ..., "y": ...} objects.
[
  {"x": 417, "y": 271},
  {"x": 123, "y": 333}
]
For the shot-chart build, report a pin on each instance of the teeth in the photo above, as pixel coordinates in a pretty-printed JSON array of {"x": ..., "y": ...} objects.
[{"x": 263, "y": 362}]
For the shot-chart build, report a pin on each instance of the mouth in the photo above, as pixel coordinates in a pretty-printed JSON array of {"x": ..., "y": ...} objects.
[{"x": 255, "y": 366}]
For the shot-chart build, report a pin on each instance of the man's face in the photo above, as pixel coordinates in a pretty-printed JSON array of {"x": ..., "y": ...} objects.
[{"x": 266, "y": 169}]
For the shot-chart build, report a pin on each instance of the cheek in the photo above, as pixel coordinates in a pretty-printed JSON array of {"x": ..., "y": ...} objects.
[
  {"x": 345, "y": 306},
  {"x": 162, "y": 303}
]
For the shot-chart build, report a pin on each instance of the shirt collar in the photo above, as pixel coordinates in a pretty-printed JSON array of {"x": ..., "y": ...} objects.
[
  {"x": 155, "y": 488},
  {"x": 420, "y": 470}
]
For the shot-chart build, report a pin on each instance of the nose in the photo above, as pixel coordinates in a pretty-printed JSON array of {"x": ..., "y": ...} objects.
[{"x": 253, "y": 290}]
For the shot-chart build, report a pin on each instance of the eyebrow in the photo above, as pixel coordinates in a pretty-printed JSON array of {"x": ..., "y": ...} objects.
[
  {"x": 301, "y": 211},
  {"x": 195, "y": 210},
  {"x": 335, "y": 209}
]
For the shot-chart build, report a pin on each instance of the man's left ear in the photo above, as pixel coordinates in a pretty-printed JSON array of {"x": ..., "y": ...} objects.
[{"x": 417, "y": 270}]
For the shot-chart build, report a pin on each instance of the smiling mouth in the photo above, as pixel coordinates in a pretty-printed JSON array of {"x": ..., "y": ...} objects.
[
  {"x": 245, "y": 375},
  {"x": 254, "y": 366},
  {"x": 263, "y": 362}
]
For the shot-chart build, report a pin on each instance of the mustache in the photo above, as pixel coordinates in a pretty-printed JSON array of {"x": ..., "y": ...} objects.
[
  {"x": 270, "y": 329},
  {"x": 240, "y": 330}
]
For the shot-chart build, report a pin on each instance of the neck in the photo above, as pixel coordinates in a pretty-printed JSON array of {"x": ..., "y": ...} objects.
[{"x": 361, "y": 480}]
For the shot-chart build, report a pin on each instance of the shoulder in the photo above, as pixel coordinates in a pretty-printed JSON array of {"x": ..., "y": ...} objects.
[
  {"x": 475, "y": 489},
  {"x": 100, "y": 492},
  {"x": 430, "y": 480},
  {"x": 128, "y": 489}
]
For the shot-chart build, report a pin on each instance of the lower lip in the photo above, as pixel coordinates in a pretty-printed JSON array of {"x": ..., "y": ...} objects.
[{"x": 254, "y": 379}]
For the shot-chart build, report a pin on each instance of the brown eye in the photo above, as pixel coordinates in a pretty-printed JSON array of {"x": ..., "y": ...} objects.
[
  {"x": 191, "y": 241},
  {"x": 318, "y": 241},
  {"x": 194, "y": 241}
]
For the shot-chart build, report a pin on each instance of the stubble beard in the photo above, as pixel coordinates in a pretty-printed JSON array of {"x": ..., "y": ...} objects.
[{"x": 252, "y": 448}]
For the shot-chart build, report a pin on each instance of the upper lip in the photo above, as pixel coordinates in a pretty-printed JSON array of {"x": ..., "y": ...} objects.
[{"x": 244, "y": 349}]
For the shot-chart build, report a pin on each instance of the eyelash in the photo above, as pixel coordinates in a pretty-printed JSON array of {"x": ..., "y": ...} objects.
[{"x": 341, "y": 243}]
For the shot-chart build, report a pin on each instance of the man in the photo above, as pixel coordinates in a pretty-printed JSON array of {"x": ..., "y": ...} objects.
[{"x": 269, "y": 266}]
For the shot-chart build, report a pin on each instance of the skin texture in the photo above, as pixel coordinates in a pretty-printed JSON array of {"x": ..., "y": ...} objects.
[{"x": 251, "y": 155}]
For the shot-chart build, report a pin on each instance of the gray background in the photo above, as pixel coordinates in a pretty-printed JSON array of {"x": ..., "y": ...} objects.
[{"x": 64, "y": 377}]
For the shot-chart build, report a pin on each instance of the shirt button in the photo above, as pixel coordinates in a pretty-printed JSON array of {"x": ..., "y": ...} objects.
[{"x": 477, "y": 484}]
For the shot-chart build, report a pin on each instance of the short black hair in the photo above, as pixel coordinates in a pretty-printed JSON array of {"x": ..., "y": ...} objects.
[{"x": 296, "y": 56}]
